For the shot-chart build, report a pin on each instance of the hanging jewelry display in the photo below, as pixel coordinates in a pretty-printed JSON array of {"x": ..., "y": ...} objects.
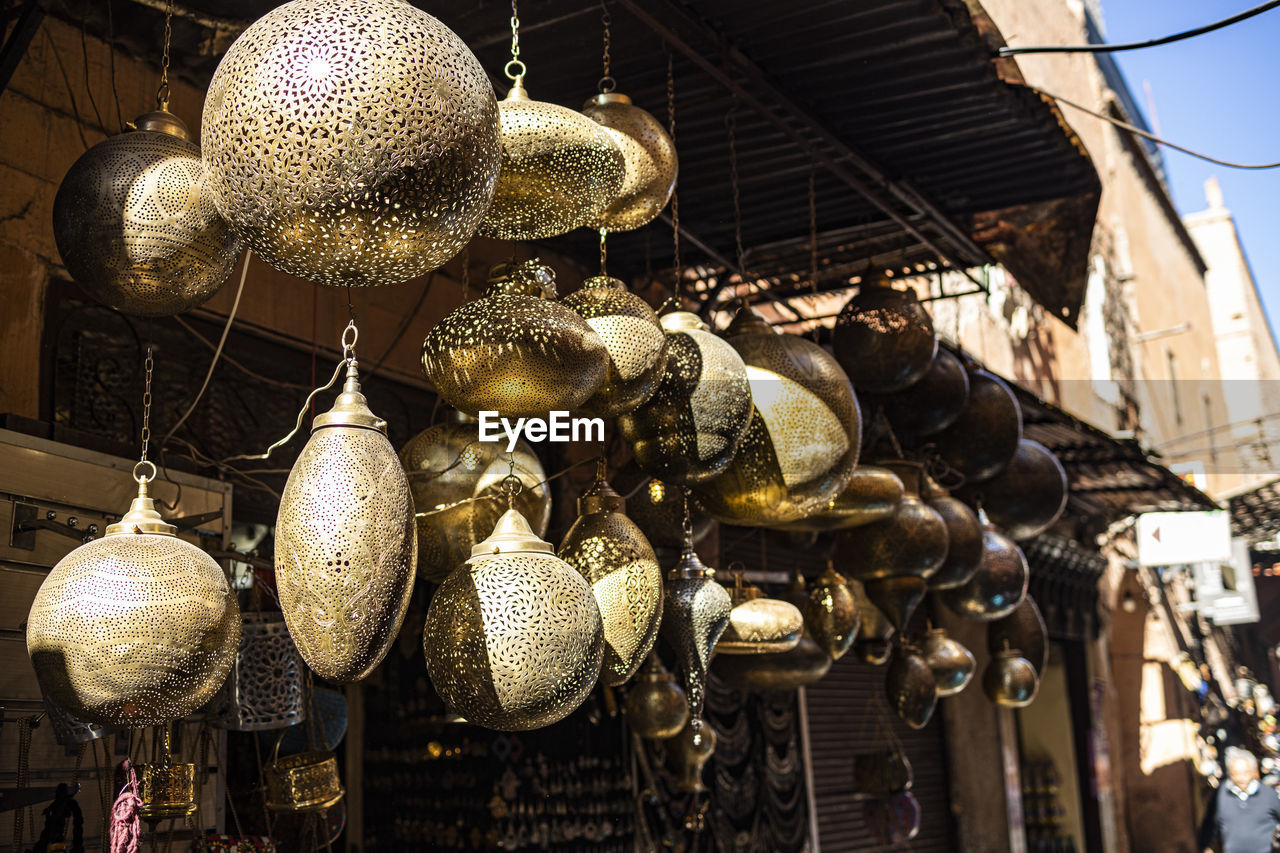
[
  {"x": 607, "y": 549},
  {"x": 1010, "y": 680},
  {"x": 657, "y": 708},
  {"x": 1000, "y": 583},
  {"x": 690, "y": 428},
  {"x": 134, "y": 221},
  {"x": 265, "y": 689},
  {"x": 952, "y": 664},
  {"x": 345, "y": 543},
  {"x": 514, "y": 638},
  {"x": 884, "y": 338},
  {"x": 873, "y": 644},
  {"x": 802, "y": 445},
  {"x": 456, "y": 483},
  {"x": 136, "y": 628},
  {"x": 873, "y": 494},
  {"x": 913, "y": 541},
  {"x": 559, "y": 168},
  {"x": 516, "y": 351},
  {"x": 1028, "y": 496},
  {"x": 633, "y": 337},
  {"x": 985, "y": 437},
  {"x": 802, "y": 665},
  {"x": 910, "y": 687},
  {"x": 326, "y": 156},
  {"x": 1022, "y": 629},
  {"x": 831, "y": 613},
  {"x": 964, "y": 536},
  {"x": 166, "y": 789},
  {"x": 930, "y": 404},
  {"x": 759, "y": 625}
]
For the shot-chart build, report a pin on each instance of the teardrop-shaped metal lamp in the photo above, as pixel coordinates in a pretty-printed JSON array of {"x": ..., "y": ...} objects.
[{"x": 695, "y": 613}]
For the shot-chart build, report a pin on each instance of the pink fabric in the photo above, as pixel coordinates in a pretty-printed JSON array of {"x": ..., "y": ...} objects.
[{"x": 126, "y": 828}]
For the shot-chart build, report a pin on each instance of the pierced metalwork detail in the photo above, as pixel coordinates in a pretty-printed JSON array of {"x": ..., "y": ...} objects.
[
  {"x": 831, "y": 614},
  {"x": 513, "y": 639},
  {"x": 136, "y": 225},
  {"x": 656, "y": 706},
  {"x": 351, "y": 141},
  {"x": 695, "y": 614},
  {"x": 264, "y": 690},
  {"x": 648, "y": 154},
  {"x": 884, "y": 338}
]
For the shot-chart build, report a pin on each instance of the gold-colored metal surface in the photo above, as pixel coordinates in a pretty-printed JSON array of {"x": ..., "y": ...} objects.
[
  {"x": 656, "y": 706},
  {"x": 690, "y": 428},
  {"x": 690, "y": 752},
  {"x": 632, "y": 335},
  {"x": 559, "y": 170},
  {"x": 875, "y": 634},
  {"x": 456, "y": 483},
  {"x": 1010, "y": 680},
  {"x": 657, "y": 508},
  {"x": 649, "y": 157},
  {"x": 802, "y": 445},
  {"x": 964, "y": 537},
  {"x": 884, "y": 338},
  {"x": 831, "y": 613},
  {"x": 953, "y": 665},
  {"x": 167, "y": 790},
  {"x": 136, "y": 628},
  {"x": 985, "y": 436},
  {"x": 896, "y": 597},
  {"x": 1028, "y": 496},
  {"x": 513, "y": 639},
  {"x": 802, "y": 665},
  {"x": 695, "y": 614},
  {"x": 913, "y": 541},
  {"x": 759, "y": 625},
  {"x": 136, "y": 225},
  {"x": 872, "y": 495},
  {"x": 345, "y": 543},
  {"x": 612, "y": 554},
  {"x": 517, "y": 354},
  {"x": 1022, "y": 629},
  {"x": 351, "y": 141},
  {"x": 998, "y": 586},
  {"x": 910, "y": 688},
  {"x": 303, "y": 782},
  {"x": 265, "y": 688}
]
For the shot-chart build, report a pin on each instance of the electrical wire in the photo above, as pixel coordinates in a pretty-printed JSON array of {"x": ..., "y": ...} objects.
[
  {"x": 1138, "y": 45},
  {"x": 1146, "y": 135}
]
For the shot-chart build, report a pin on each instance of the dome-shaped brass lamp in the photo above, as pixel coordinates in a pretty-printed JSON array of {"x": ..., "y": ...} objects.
[
  {"x": 998, "y": 586},
  {"x": 759, "y": 625},
  {"x": 873, "y": 494},
  {"x": 656, "y": 706},
  {"x": 634, "y": 338},
  {"x": 648, "y": 154},
  {"x": 953, "y": 665}
]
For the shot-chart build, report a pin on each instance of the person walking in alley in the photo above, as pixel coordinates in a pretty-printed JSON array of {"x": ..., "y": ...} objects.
[{"x": 1245, "y": 812}]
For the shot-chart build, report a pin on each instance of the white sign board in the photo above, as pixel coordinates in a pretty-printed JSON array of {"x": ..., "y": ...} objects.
[
  {"x": 1224, "y": 589},
  {"x": 1176, "y": 538}
]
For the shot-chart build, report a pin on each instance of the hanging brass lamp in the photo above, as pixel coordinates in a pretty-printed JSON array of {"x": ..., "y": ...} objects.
[
  {"x": 1022, "y": 629},
  {"x": 513, "y": 638},
  {"x": 456, "y": 483},
  {"x": 517, "y": 351},
  {"x": 136, "y": 225},
  {"x": 913, "y": 541},
  {"x": 559, "y": 169},
  {"x": 831, "y": 613},
  {"x": 804, "y": 664},
  {"x": 998, "y": 586},
  {"x": 166, "y": 788},
  {"x": 884, "y": 338},
  {"x": 345, "y": 543},
  {"x": 802, "y": 445},
  {"x": 266, "y": 687},
  {"x": 691, "y": 750},
  {"x": 649, "y": 157},
  {"x": 690, "y": 428},
  {"x": 607, "y": 549},
  {"x": 633, "y": 337},
  {"x": 137, "y": 628},
  {"x": 695, "y": 613},
  {"x": 964, "y": 536},
  {"x": 1028, "y": 496},
  {"x": 1010, "y": 680},
  {"x": 982, "y": 440},
  {"x": 656, "y": 706},
  {"x": 911, "y": 688},
  {"x": 931, "y": 403},
  {"x": 351, "y": 143},
  {"x": 759, "y": 625},
  {"x": 897, "y": 597},
  {"x": 953, "y": 665},
  {"x": 873, "y": 494}
]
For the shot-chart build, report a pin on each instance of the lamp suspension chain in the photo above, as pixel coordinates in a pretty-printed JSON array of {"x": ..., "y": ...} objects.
[
  {"x": 813, "y": 241},
  {"x": 675, "y": 193},
  {"x": 515, "y": 68},
  {"x": 149, "y": 365},
  {"x": 162, "y": 93},
  {"x": 730, "y": 123},
  {"x": 607, "y": 83}
]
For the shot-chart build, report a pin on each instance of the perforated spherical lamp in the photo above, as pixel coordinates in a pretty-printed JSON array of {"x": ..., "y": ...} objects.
[
  {"x": 136, "y": 225},
  {"x": 135, "y": 629},
  {"x": 802, "y": 445},
  {"x": 648, "y": 154},
  {"x": 513, "y": 638},
  {"x": 351, "y": 142},
  {"x": 884, "y": 338},
  {"x": 345, "y": 543},
  {"x": 559, "y": 170}
]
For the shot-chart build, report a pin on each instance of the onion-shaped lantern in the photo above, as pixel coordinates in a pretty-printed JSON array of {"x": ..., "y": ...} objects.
[
  {"x": 1028, "y": 496},
  {"x": 657, "y": 508},
  {"x": 695, "y": 614},
  {"x": 513, "y": 638},
  {"x": 351, "y": 142},
  {"x": 517, "y": 351},
  {"x": 759, "y": 625},
  {"x": 135, "y": 629},
  {"x": 609, "y": 551},
  {"x": 656, "y": 706},
  {"x": 1010, "y": 680},
  {"x": 136, "y": 225},
  {"x": 691, "y": 427},
  {"x": 964, "y": 537},
  {"x": 930, "y": 404},
  {"x": 911, "y": 688},
  {"x": 802, "y": 445},
  {"x": 953, "y": 665},
  {"x": 872, "y": 495},
  {"x": 831, "y": 614},
  {"x": 801, "y": 666},
  {"x": 897, "y": 597},
  {"x": 998, "y": 586},
  {"x": 345, "y": 543},
  {"x": 559, "y": 170},
  {"x": 913, "y": 541},
  {"x": 884, "y": 338},
  {"x": 456, "y": 483},
  {"x": 874, "y": 641},
  {"x": 985, "y": 437},
  {"x": 265, "y": 689},
  {"x": 1022, "y": 629},
  {"x": 634, "y": 338},
  {"x": 649, "y": 156}
]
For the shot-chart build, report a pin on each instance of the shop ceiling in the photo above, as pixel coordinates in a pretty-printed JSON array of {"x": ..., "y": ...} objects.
[{"x": 926, "y": 152}]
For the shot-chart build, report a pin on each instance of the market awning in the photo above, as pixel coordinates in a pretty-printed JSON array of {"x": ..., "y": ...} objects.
[
  {"x": 928, "y": 153},
  {"x": 1255, "y": 515}
]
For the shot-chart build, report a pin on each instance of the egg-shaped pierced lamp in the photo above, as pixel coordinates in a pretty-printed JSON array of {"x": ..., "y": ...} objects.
[
  {"x": 649, "y": 156},
  {"x": 634, "y": 338}
]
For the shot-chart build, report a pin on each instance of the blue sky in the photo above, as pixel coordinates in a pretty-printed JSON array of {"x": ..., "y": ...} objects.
[{"x": 1218, "y": 94}]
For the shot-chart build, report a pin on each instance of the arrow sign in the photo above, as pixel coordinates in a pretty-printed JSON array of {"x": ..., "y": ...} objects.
[{"x": 1176, "y": 538}]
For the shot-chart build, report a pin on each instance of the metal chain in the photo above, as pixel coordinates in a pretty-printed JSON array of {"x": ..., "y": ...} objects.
[
  {"x": 515, "y": 68},
  {"x": 675, "y": 195},
  {"x": 604, "y": 251},
  {"x": 146, "y": 406},
  {"x": 730, "y": 123},
  {"x": 607, "y": 83},
  {"x": 813, "y": 240},
  {"x": 25, "y": 724},
  {"x": 162, "y": 94}
]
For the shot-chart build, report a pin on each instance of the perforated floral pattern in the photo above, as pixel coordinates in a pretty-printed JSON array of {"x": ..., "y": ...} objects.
[{"x": 264, "y": 690}]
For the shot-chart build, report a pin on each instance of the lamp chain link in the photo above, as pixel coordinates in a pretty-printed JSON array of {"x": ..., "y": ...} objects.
[
  {"x": 162, "y": 93},
  {"x": 675, "y": 195},
  {"x": 515, "y": 68},
  {"x": 730, "y": 122},
  {"x": 607, "y": 83},
  {"x": 146, "y": 406}
]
